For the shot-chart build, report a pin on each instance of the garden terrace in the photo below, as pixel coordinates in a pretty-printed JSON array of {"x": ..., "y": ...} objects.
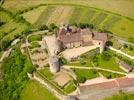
[{"x": 61, "y": 80}]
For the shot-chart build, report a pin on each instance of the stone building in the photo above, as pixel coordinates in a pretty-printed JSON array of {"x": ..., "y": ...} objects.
[
  {"x": 70, "y": 37},
  {"x": 54, "y": 64}
]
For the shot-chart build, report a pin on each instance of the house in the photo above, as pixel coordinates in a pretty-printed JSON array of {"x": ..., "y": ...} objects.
[{"x": 71, "y": 36}]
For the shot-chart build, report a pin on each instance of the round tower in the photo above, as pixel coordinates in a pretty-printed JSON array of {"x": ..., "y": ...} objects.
[
  {"x": 102, "y": 47},
  {"x": 54, "y": 64}
]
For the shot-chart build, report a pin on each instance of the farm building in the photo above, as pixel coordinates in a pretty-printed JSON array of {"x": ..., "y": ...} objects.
[
  {"x": 70, "y": 37},
  {"x": 107, "y": 88}
]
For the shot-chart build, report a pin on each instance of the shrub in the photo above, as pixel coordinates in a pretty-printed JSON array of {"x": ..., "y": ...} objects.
[
  {"x": 109, "y": 43},
  {"x": 52, "y": 27},
  {"x": 43, "y": 27},
  {"x": 106, "y": 56},
  {"x": 130, "y": 39},
  {"x": 125, "y": 46},
  {"x": 35, "y": 38}
]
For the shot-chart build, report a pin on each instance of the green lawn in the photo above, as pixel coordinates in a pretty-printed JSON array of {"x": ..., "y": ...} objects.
[
  {"x": 107, "y": 61},
  {"x": 46, "y": 72},
  {"x": 37, "y": 37},
  {"x": 70, "y": 87},
  {"x": 84, "y": 62},
  {"x": 84, "y": 74},
  {"x": 34, "y": 45},
  {"x": 109, "y": 75},
  {"x": 36, "y": 91},
  {"x": 121, "y": 96}
]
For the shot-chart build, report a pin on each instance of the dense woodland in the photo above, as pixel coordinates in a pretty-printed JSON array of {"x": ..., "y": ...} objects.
[{"x": 15, "y": 69}]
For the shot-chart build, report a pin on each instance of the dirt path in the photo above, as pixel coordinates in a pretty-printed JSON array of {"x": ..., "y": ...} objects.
[
  {"x": 69, "y": 53},
  {"x": 5, "y": 54},
  {"x": 119, "y": 51},
  {"x": 97, "y": 68}
]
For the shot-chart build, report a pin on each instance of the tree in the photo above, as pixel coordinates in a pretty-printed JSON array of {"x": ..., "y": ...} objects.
[
  {"x": 43, "y": 27},
  {"x": 52, "y": 27},
  {"x": 130, "y": 48},
  {"x": 91, "y": 26},
  {"x": 131, "y": 39},
  {"x": 2, "y": 23},
  {"x": 4, "y": 44},
  {"x": 125, "y": 46},
  {"x": 109, "y": 43}
]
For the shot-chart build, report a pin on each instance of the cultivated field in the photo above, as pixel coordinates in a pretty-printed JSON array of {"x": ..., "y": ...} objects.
[
  {"x": 123, "y": 7},
  {"x": 88, "y": 11},
  {"x": 33, "y": 15},
  {"x": 118, "y": 25}
]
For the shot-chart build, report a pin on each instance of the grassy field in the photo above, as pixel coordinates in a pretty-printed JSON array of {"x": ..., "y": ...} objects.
[
  {"x": 59, "y": 14},
  {"x": 123, "y": 7},
  {"x": 13, "y": 27},
  {"x": 123, "y": 28},
  {"x": 46, "y": 72},
  {"x": 76, "y": 12},
  {"x": 35, "y": 91},
  {"x": 70, "y": 87},
  {"x": 121, "y": 96},
  {"x": 33, "y": 15},
  {"x": 44, "y": 17}
]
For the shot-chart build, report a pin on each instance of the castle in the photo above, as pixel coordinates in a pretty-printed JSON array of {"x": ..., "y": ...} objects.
[{"x": 71, "y": 36}]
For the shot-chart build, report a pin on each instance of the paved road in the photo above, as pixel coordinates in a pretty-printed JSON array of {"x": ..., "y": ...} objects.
[
  {"x": 97, "y": 68},
  {"x": 119, "y": 51}
]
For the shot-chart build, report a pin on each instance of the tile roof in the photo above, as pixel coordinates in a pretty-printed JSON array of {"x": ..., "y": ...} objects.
[
  {"x": 126, "y": 66},
  {"x": 76, "y": 37},
  {"x": 100, "y": 36},
  {"x": 116, "y": 83}
]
